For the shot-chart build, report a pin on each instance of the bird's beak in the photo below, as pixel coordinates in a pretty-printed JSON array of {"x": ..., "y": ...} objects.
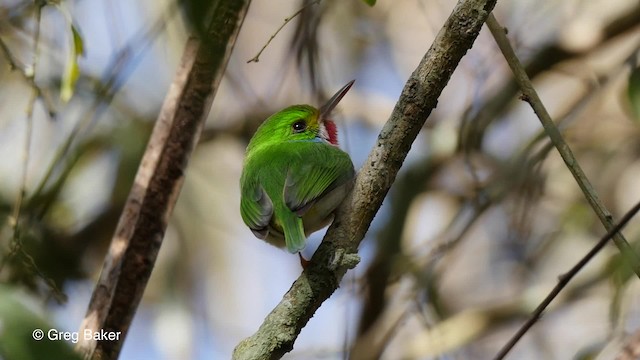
[{"x": 326, "y": 109}]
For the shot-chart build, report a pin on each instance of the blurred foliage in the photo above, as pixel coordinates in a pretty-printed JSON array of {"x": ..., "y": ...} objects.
[
  {"x": 18, "y": 337},
  {"x": 634, "y": 92},
  {"x": 196, "y": 13}
]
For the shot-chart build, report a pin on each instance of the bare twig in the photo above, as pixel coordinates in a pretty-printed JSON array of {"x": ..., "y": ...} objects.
[
  {"x": 13, "y": 65},
  {"x": 337, "y": 253},
  {"x": 15, "y": 217},
  {"x": 139, "y": 234},
  {"x": 564, "y": 279},
  {"x": 29, "y": 77},
  {"x": 286, "y": 21},
  {"x": 29, "y": 126},
  {"x": 531, "y": 96}
]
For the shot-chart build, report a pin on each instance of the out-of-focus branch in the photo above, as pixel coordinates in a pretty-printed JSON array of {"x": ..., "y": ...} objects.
[
  {"x": 554, "y": 53},
  {"x": 29, "y": 76},
  {"x": 563, "y": 280},
  {"x": 139, "y": 234},
  {"x": 531, "y": 96},
  {"x": 337, "y": 253},
  {"x": 472, "y": 131}
]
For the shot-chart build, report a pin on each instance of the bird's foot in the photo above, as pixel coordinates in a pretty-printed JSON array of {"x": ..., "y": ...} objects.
[{"x": 304, "y": 262}]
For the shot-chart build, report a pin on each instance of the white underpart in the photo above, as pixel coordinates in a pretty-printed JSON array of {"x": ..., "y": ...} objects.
[{"x": 324, "y": 134}]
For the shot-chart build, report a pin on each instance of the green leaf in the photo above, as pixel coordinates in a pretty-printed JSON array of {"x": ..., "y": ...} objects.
[
  {"x": 76, "y": 49},
  {"x": 26, "y": 334},
  {"x": 72, "y": 70},
  {"x": 370, "y": 2},
  {"x": 633, "y": 91},
  {"x": 78, "y": 44}
]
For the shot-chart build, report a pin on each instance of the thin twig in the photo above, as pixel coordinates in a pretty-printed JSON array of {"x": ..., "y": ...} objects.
[
  {"x": 36, "y": 92},
  {"x": 29, "y": 130},
  {"x": 530, "y": 95},
  {"x": 286, "y": 21},
  {"x": 13, "y": 65},
  {"x": 15, "y": 216},
  {"x": 29, "y": 77},
  {"x": 564, "y": 279}
]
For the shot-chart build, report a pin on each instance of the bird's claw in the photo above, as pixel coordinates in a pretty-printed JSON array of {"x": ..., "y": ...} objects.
[{"x": 304, "y": 262}]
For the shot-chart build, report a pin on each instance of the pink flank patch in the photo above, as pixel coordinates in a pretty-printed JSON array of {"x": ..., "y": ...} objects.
[{"x": 332, "y": 130}]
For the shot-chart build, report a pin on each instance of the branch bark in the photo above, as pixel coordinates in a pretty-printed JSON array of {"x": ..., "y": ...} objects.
[
  {"x": 338, "y": 251},
  {"x": 140, "y": 231}
]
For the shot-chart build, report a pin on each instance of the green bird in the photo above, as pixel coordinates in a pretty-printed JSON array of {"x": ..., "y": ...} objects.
[{"x": 294, "y": 175}]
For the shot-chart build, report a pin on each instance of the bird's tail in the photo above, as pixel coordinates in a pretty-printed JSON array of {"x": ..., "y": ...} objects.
[{"x": 293, "y": 232}]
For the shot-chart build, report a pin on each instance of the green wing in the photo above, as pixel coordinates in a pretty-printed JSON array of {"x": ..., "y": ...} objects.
[
  {"x": 324, "y": 168},
  {"x": 256, "y": 207}
]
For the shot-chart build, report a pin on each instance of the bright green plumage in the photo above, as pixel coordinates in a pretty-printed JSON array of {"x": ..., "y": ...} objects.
[{"x": 294, "y": 175}]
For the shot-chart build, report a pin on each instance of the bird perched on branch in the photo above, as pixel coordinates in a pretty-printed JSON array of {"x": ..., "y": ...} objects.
[{"x": 294, "y": 175}]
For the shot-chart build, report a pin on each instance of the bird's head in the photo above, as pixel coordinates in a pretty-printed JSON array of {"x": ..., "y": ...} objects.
[{"x": 302, "y": 123}]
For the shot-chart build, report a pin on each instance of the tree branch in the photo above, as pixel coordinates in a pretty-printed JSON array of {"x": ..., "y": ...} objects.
[
  {"x": 564, "y": 279},
  {"x": 139, "y": 234},
  {"x": 531, "y": 96},
  {"x": 336, "y": 254}
]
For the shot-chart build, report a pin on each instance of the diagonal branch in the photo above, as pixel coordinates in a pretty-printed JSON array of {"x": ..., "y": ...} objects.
[
  {"x": 530, "y": 95},
  {"x": 140, "y": 231},
  {"x": 564, "y": 279},
  {"x": 336, "y": 254}
]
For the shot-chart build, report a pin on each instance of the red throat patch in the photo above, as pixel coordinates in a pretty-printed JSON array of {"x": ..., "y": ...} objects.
[{"x": 332, "y": 131}]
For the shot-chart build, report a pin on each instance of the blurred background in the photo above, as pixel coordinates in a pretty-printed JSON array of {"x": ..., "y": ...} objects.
[{"x": 481, "y": 221}]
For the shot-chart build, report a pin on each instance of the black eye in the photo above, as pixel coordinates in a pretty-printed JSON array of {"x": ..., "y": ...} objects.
[{"x": 299, "y": 126}]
